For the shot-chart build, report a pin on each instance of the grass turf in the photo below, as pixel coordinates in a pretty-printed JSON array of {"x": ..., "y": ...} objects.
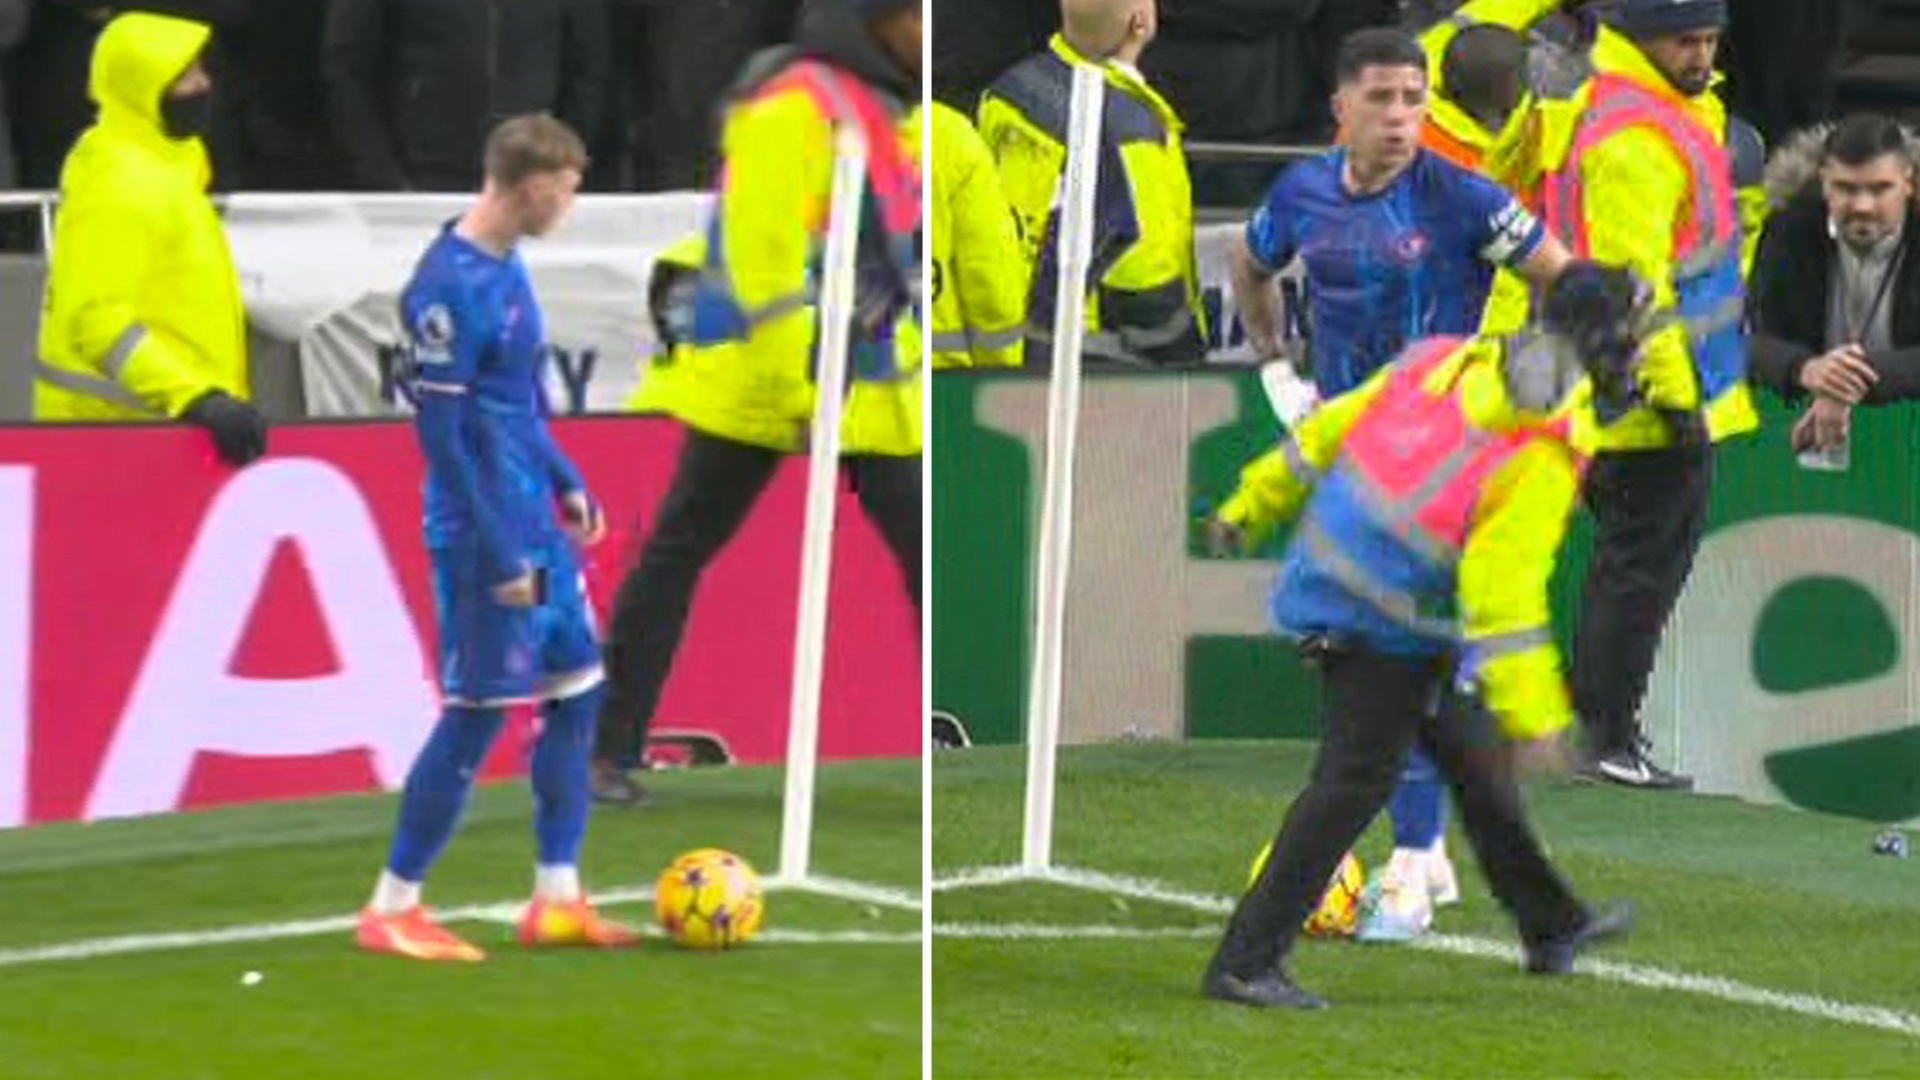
[
  {"x": 325, "y": 1010},
  {"x": 1769, "y": 897}
]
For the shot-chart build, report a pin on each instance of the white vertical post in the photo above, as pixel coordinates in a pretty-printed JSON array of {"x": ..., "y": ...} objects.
[
  {"x": 823, "y": 475},
  {"x": 1075, "y": 252}
]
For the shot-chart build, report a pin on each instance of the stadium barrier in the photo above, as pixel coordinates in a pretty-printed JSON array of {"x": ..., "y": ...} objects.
[
  {"x": 175, "y": 634},
  {"x": 320, "y": 275},
  {"x": 1788, "y": 674}
]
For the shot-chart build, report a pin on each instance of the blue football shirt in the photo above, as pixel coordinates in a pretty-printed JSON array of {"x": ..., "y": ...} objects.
[
  {"x": 493, "y": 470},
  {"x": 1412, "y": 260}
]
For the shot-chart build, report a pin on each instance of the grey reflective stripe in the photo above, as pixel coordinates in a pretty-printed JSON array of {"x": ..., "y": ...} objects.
[
  {"x": 772, "y": 309},
  {"x": 1461, "y": 21},
  {"x": 1297, "y": 462},
  {"x": 1098, "y": 344},
  {"x": 1702, "y": 261},
  {"x": 1178, "y": 327},
  {"x": 971, "y": 340},
  {"x": 1400, "y": 513},
  {"x": 1400, "y": 606},
  {"x": 90, "y": 386},
  {"x": 775, "y": 308},
  {"x": 122, "y": 351},
  {"x": 1707, "y": 209},
  {"x": 1396, "y": 516},
  {"x": 842, "y": 105},
  {"x": 1516, "y": 641},
  {"x": 1103, "y": 345},
  {"x": 1727, "y": 314}
]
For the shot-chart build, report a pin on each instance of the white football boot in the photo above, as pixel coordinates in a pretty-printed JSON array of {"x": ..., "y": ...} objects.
[
  {"x": 1398, "y": 905},
  {"x": 1443, "y": 888}
]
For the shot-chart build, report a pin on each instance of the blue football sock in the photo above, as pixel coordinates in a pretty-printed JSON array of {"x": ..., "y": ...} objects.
[
  {"x": 560, "y": 798},
  {"x": 1419, "y": 806},
  {"x": 437, "y": 787}
]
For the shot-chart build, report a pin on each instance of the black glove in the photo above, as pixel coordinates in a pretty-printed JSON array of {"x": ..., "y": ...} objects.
[{"x": 239, "y": 431}]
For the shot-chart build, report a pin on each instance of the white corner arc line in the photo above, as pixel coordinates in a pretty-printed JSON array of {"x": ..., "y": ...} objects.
[
  {"x": 1641, "y": 975},
  {"x": 857, "y": 891},
  {"x": 94, "y": 948}
]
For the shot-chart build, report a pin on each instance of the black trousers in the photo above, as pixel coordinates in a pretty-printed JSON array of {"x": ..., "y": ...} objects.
[
  {"x": 1650, "y": 510},
  {"x": 715, "y": 483},
  {"x": 1375, "y": 707}
]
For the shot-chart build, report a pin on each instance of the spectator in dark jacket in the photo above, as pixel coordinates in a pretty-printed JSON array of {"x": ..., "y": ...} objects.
[
  {"x": 271, "y": 129},
  {"x": 975, "y": 41},
  {"x": 678, "y": 58},
  {"x": 46, "y": 77},
  {"x": 416, "y": 85},
  {"x": 1835, "y": 291}
]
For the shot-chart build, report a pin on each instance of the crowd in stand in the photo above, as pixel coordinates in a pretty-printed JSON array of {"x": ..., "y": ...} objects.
[
  {"x": 1261, "y": 71},
  {"x": 398, "y": 95}
]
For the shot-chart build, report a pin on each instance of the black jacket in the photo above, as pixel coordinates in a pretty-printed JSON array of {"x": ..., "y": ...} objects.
[
  {"x": 271, "y": 129},
  {"x": 1788, "y": 295},
  {"x": 416, "y": 85}
]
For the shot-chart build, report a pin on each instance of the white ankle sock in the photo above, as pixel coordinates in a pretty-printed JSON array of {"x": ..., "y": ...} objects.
[
  {"x": 1408, "y": 865},
  {"x": 393, "y": 894},
  {"x": 557, "y": 884}
]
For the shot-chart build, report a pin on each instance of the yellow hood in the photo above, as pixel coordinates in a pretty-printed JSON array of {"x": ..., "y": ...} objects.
[{"x": 137, "y": 57}]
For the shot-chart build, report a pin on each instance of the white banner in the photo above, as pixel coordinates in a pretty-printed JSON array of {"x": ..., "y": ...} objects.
[
  {"x": 1227, "y": 339},
  {"x": 325, "y": 272}
]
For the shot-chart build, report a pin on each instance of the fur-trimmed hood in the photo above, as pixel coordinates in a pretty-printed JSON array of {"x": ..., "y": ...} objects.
[{"x": 1796, "y": 162}]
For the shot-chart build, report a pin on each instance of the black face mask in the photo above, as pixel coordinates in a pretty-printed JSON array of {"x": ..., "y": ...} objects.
[{"x": 185, "y": 117}]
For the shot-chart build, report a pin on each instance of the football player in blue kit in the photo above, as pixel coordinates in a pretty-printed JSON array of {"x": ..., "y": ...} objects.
[{"x": 506, "y": 513}]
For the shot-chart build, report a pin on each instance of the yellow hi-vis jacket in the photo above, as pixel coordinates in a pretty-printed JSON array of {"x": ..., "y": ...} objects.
[
  {"x": 778, "y": 148},
  {"x": 142, "y": 312},
  {"x": 1471, "y": 139},
  {"x": 979, "y": 275},
  {"x": 1147, "y": 304},
  {"x": 1491, "y": 531},
  {"x": 1636, "y": 188}
]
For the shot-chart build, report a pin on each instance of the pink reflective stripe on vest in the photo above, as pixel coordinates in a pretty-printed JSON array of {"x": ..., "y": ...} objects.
[
  {"x": 1618, "y": 104},
  {"x": 1415, "y": 461},
  {"x": 846, "y": 99}
]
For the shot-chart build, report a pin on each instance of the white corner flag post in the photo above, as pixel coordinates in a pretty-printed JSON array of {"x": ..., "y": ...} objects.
[
  {"x": 1074, "y": 253},
  {"x": 823, "y": 474}
]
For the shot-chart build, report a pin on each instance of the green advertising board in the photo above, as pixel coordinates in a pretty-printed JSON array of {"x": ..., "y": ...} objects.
[{"x": 1787, "y": 674}]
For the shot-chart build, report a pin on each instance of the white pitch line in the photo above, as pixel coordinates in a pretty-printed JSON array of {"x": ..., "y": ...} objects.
[
  {"x": 1043, "y": 932},
  {"x": 857, "y": 891},
  {"x": 508, "y": 912},
  {"x": 1641, "y": 975},
  {"x": 982, "y": 875}
]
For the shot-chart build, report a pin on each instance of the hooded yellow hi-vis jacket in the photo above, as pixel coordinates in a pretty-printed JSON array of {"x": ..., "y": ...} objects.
[{"x": 142, "y": 312}]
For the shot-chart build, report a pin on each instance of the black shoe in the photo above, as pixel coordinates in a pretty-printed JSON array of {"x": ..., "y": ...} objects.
[
  {"x": 1554, "y": 956},
  {"x": 611, "y": 784},
  {"x": 1272, "y": 989},
  {"x": 1632, "y": 768}
]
